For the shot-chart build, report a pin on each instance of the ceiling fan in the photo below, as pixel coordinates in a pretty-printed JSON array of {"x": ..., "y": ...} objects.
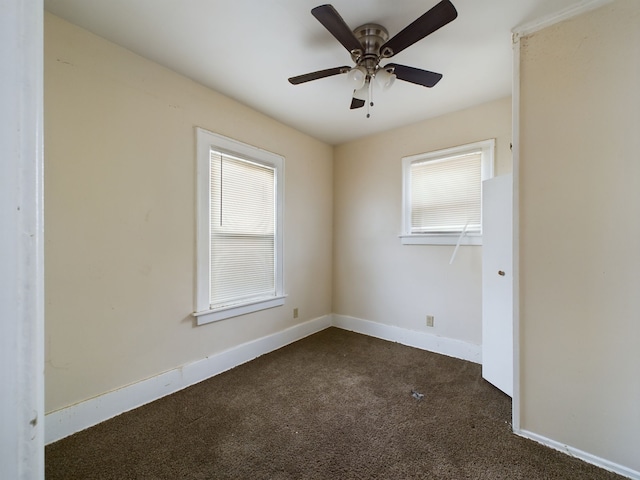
[{"x": 369, "y": 44}]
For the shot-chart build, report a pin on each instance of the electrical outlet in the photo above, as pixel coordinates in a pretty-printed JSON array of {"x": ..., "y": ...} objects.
[
  {"x": 430, "y": 320},
  {"x": 295, "y": 313}
]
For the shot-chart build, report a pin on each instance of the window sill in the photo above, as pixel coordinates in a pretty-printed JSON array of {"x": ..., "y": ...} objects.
[
  {"x": 209, "y": 316},
  {"x": 441, "y": 239}
]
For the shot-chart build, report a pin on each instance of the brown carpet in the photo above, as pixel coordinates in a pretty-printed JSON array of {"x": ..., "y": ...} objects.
[{"x": 336, "y": 405}]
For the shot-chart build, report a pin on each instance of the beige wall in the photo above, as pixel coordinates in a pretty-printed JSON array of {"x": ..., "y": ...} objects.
[
  {"x": 120, "y": 225},
  {"x": 120, "y": 217},
  {"x": 375, "y": 277},
  {"x": 580, "y": 233}
]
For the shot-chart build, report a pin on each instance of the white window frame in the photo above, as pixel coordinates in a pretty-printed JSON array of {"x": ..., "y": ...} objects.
[
  {"x": 487, "y": 148},
  {"x": 206, "y": 142}
]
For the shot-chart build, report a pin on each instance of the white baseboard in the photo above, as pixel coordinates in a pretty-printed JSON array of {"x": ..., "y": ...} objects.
[
  {"x": 425, "y": 341},
  {"x": 67, "y": 421},
  {"x": 574, "y": 452},
  {"x": 72, "y": 419},
  {"x": 75, "y": 418}
]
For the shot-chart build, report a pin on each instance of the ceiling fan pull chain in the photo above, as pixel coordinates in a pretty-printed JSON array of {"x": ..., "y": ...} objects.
[{"x": 370, "y": 98}]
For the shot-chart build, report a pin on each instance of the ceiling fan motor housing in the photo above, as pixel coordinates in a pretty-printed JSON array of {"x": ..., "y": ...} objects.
[{"x": 371, "y": 36}]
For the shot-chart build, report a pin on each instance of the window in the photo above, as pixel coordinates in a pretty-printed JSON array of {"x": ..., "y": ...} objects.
[
  {"x": 239, "y": 241},
  {"x": 442, "y": 194}
]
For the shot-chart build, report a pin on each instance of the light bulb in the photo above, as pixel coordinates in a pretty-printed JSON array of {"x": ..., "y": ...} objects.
[
  {"x": 357, "y": 77},
  {"x": 385, "y": 78},
  {"x": 362, "y": 93}
]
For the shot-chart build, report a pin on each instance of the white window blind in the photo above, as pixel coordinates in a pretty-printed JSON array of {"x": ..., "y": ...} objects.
[
  {"x": 240, "y": 219},
  {"x": 442, "y": 194},
  {"x": 243, "y": 231},
  {"x": 446, "y": 194}
]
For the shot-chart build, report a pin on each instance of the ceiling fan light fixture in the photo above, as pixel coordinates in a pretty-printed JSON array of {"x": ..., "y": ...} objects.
[
  {"x": 384, "y": 78},
  {"x": 357, "y": 77},
  {"x": 362, "y": 93}
]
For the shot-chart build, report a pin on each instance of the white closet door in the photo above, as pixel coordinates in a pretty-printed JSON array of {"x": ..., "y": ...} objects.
[{"x": 497, "y": 282}]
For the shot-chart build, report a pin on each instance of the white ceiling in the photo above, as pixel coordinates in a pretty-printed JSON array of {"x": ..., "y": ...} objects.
[{"x": 246, "y": 49}]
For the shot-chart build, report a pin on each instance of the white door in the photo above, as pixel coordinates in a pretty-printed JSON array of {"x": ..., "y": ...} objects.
[{"x": 497, "y": 282}]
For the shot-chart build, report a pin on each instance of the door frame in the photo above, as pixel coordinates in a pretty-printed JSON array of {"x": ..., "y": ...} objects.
[{"x": 21, "y": 240}]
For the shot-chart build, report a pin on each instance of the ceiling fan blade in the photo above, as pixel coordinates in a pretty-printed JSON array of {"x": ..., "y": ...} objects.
[
  {"x": 357, "y": 103},
  {"x": 332, "y": 21},
  {"x": 443, "y": 13},
  {"x": 414, "y": 75},
  {"x": 329, "y": 72}
]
